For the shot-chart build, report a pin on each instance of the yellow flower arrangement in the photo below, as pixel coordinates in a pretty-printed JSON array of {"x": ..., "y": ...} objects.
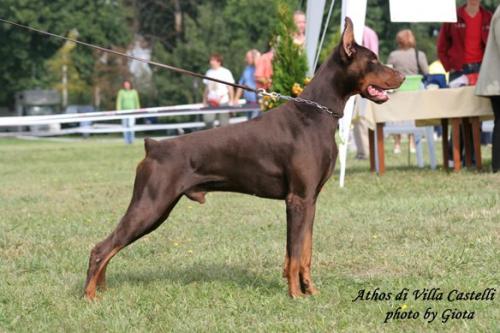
[
  {"x": 296, "y": 89},
  {"x": 268, "y": 102}
]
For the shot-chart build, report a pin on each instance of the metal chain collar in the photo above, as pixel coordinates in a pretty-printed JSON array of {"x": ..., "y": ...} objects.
[{"x": 276, "y": 96}]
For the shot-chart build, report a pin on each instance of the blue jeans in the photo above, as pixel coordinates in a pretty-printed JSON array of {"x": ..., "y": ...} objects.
[
  {"x": 128, "y": 136},
  {"x": 255, "y": 113}
]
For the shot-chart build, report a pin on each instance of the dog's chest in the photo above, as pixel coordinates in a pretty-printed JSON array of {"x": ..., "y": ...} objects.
[{"x": 333, "y": 158}]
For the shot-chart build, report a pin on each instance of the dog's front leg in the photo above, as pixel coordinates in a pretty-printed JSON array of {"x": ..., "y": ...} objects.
[
  {"x": 300, "y": 214},
  {"x": 306, "y": 283}
]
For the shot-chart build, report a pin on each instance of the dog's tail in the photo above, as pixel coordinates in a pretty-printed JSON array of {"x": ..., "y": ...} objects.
[{"x": 149, "y": 144}]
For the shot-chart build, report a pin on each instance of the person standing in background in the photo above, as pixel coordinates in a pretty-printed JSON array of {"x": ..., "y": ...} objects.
[
  {"x": 488, "y": 83},
  {"x": 299, "y": 18},
  {"x": 360, "y": 129},
  {"x": 248, "y": 78},
  {"x": 264, "y": 70},
  {"x": 409, "y": 61},
  {"x": 264, "y": 65},
  {"x": 128, "y": 99},
  {"x": 406, "y": 58},
  {"x": 217, "y": 94},
  {"x": 461, "y": 45}
]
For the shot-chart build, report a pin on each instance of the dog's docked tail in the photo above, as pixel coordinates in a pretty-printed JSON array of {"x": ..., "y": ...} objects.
[{"x": 149, "y": 145}]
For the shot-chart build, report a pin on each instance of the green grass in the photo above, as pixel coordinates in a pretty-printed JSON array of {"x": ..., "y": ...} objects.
[{"x": 217, "y": 267}]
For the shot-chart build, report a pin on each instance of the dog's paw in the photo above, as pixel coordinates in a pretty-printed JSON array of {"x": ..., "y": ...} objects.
[
  {"x": 311, "y": 291},
  {"x": 90, "y": 295},
  {"x": 295, "y": 294}
]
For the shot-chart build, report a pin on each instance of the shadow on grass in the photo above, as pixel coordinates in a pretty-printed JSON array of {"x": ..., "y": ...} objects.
[{"x": 198, "y": 273}]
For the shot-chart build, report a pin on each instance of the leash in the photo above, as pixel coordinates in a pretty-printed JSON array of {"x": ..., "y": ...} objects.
[
  {"x": 318, "y": 106},
  {"x": 259, "y": 92}
]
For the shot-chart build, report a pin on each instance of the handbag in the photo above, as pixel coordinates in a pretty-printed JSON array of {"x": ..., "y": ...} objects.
[{"x": 213, "y": 99}]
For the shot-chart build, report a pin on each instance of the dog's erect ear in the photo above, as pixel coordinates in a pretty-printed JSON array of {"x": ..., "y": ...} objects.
[{"x": 348, "y": 41}]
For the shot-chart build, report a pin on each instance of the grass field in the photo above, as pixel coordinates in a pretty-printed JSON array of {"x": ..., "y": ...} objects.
[{"x": 217, "y": 267}]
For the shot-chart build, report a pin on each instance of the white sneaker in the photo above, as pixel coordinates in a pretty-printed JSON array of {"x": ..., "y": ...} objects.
[{"x": 397, "y": 150}]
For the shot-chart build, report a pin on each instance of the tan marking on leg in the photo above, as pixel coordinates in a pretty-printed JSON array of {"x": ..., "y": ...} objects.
[
  {"x": 293, "y": 279},
  {"x": 101, "y": 278},
  {"x": 306, "y": 282},
  {"x": 91, "y": 287}
]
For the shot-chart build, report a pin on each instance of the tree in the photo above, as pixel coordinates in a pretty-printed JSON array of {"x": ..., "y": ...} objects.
[
  {"x": 182, "y": 33},
  {"x": 228, "y": 27},
  {"x": 24, "y": 53},
  {"x": 289, "y": 62},
  {"x": 62, "y": 63}
]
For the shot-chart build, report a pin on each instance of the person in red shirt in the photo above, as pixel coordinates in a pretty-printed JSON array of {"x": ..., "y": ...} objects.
[{"x": 461, "y": 45}]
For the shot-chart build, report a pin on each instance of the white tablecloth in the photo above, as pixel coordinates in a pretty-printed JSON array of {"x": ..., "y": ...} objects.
[{"x": 426, "y": 105}]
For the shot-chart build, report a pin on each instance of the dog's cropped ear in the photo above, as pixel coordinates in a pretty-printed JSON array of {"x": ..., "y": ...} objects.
[{"x": 348, "y": 41}]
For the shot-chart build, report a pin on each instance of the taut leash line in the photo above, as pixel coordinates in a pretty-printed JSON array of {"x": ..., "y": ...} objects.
[
  {"x": 260, "y": 92},
  {"x": 150, "y": 62}
]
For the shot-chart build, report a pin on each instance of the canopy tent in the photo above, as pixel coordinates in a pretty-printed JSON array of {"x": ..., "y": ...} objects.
[{"x": 401, "y": 11}]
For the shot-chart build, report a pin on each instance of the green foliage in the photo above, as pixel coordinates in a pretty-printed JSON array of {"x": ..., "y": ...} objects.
[
  {"x": 229, "y": 28},
  {"x": 24, "y": 54},
  {"x": 289, "y": 62},
  {"x": 333, "y": 41},
  {"x": 64, "y": 57}
]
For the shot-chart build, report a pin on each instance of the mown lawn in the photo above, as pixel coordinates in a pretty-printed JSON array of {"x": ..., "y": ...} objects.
[{"x": 217, "y": 267}]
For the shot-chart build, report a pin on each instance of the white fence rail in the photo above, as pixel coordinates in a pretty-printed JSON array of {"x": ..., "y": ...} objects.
[{"x": 91, "y": 123}]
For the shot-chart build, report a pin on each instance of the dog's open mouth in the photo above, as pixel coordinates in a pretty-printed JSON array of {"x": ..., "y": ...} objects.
[{"x": 377, "y": 94}]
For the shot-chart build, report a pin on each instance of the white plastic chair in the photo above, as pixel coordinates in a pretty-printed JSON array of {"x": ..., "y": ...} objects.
[{"x": 412, "y": 83}]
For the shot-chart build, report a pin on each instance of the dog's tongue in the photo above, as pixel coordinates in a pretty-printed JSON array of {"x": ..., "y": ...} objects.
[{"x": 376, "y": 92}]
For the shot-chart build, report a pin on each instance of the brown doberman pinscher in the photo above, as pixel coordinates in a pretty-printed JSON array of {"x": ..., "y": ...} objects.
[{"x": 289, "y": 153}]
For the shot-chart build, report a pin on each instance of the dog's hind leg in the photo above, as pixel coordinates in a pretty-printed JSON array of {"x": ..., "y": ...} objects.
[
  {"x": 155, "y": 195},
  {"x": 300, "y": 213}
]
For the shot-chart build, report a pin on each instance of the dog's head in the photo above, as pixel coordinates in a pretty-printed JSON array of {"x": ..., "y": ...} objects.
[{"x": 362, "y": 69}]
